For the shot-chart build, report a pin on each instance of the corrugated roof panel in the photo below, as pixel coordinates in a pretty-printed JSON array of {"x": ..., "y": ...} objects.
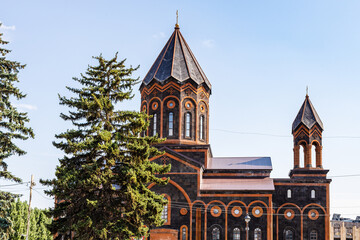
[{"x": 214, "y": 184}]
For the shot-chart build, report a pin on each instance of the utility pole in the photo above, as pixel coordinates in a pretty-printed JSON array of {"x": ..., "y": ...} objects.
[{"x": 29, "y": 210}]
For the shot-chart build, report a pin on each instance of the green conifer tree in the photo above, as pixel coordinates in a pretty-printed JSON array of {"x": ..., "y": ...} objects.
[
  {"x": 101, "y": 182},
  {"x": 38, "y": 222},
  {"x": 12, "y": 128}
]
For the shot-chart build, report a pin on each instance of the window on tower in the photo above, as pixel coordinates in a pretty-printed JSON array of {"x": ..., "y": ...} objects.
[
  {"x": 187, "y": 125},
  {"x": 171, "y": 124},
  {"x": 202, "y": 132}
]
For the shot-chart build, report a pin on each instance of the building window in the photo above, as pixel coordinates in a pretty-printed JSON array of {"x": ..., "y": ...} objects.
[
  {"x": 312, "y": 193},
  {"x": 236, "y": 234},
  {"x": 187, "y": 125},
  {"x": 171, "y": 124},
  {"x": 337, "y": 230},
  {"x": 154, "y": 124},
  {"x": 289, "y": 193},
  {"x": 257, "y": 234},
  {"x": 183, "y": 232},
  {"x": 202, "y": 132},
  {"x": 165, "y": 214},
  {"x": 289, "y": 235},
  {"x": 349, "y": 232},
  {"x": 215, "y": 234},
  {"x": 313, "y": 235}
]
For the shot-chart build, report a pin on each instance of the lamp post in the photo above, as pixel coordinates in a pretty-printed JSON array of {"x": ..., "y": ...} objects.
[{"x": 247, "y": 220}]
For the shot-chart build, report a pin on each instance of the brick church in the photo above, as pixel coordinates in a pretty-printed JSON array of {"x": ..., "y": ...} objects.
[{"x": 227, "y": 198}]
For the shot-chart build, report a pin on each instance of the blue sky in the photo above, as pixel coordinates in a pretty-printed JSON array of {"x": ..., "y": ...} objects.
[{"x": 258, "y": 55}]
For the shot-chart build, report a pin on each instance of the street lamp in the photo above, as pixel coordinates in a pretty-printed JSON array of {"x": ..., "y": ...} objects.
[{"x": 247, "y": 220}]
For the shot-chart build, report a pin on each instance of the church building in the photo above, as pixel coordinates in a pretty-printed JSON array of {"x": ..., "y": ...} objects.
[{"x": 227, "y": 198}]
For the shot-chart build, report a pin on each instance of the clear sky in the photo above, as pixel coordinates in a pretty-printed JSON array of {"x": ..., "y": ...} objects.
[{"x": 258, "y": 55}]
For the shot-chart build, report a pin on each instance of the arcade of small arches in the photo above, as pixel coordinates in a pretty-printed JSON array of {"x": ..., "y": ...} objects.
[
  {"x": 173, "y": 120},
  {"x": 304, "y": 154},
  {"x": 236, "y": 208}
]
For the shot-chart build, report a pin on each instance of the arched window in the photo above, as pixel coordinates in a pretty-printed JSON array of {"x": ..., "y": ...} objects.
[
  {"x": 202, "y": 132},
  {"x": 289, "y": 235},
  {"x": 183, "y": 232},
  {"x": 312, "y": 193},
  {"x": 171, "y": 124},
  {"x": 215, "y": 234},
  {"x": 302, "y": 156},
  {"x": 257, "y": 234},
  {"x": 313, "y": 235},
  {"x": 165, "y": 214},
  {"x": 289, "y": 193},
  {"x": 154, "y": 124},
  {"x": 236, "y": 234},
  {"x": 187, "y": 125}
]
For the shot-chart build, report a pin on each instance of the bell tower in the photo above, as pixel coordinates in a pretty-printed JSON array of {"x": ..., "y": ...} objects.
[
  {"x": 176, "y": 93},
  {"x": 307, "y": 131}
]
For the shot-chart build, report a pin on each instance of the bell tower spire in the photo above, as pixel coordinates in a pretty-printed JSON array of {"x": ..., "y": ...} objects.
[
  {"x": 307, "y": 131},
  {"x": 176, "y": 93}
]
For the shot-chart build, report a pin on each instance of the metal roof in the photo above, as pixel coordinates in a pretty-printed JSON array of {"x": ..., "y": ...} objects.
[
  {"x": 214, "y": 184},
  {"x": 307, "y": 116},
  {"x": 240, "y": 163},
  {"x": 176, "y": 60}
]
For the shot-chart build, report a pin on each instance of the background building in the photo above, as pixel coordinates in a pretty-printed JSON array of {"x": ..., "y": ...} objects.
[
  {"x": 345, "y": 228},
  {"x": 212, "y": 197}
]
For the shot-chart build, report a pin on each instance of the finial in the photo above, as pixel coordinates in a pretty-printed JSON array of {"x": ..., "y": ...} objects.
[
  {"x": 177, "y": 19},
  {"x": 307, "y": 91}
]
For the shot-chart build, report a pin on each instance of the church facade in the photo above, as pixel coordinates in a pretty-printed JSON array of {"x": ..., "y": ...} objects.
[{"x": 227, "y": 198}]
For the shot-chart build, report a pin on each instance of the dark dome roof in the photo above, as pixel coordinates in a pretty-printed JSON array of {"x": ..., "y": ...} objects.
[{"x": 176, "y": 60}]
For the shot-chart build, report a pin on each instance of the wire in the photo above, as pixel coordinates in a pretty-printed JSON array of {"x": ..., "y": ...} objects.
[
  {"x": 276, "y": 135},
  {"x": 42, "y": 195}
]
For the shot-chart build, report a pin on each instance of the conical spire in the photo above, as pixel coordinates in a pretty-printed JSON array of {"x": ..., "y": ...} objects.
[
  {"x": 176, "y": 60},
  {"x": 307, "y": 116}
]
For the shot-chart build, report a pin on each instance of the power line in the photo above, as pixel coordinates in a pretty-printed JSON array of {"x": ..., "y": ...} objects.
[{"x": 276, "y": 135}]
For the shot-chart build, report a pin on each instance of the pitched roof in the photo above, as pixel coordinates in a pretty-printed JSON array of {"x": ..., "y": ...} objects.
[
  {"x": 240, "y": 163},
  {"x": 307, "y": 116},
  {"x": 176, "y": 60},
  {"x": 213, "y": 184}
]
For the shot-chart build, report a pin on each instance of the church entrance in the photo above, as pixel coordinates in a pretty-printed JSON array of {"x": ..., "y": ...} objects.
[{"x": 164, "y": 234}]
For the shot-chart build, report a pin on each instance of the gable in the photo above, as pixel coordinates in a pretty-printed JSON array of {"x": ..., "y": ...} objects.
[{"x": 178, "y": 165}]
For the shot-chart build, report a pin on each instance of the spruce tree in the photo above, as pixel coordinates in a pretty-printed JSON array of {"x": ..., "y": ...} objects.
[
  {"x": 101, "y": 182},
  {"x": 12, "y": 128}
]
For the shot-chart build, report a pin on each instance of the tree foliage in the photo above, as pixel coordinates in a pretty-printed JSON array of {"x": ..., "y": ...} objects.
[
  {"x": 38, "y": 222},
  {"x": 12, "y": 128},
  {"x": 101, "y": 182}
]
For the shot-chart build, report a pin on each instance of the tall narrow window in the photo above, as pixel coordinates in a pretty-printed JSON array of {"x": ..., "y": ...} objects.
[
  {"x": 289, "y": 235},
  {"x": 236, "y": 234},
  {"x": 154, "y": 126},
  {"x": 313, "y": 235},
  {"x": 289, "y": 193},
  {"x": 202, "y": 133},
  {"x": 257, "y": 234},
  {"x": 312, "y": 193},
  {"x": 183, "y": 233},
  {"x": 215, "y": 234},
  {"x": 187, "y": 125},
  {"x": 171, "y": 124},
  {"x": 164, "y": 213}
]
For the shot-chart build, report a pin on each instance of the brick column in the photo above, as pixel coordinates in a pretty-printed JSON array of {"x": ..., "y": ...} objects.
[
  {"x": 319, "y": 156},
  {"x": 308, "y": 155},
  {"x": 296, "y": 156}
]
